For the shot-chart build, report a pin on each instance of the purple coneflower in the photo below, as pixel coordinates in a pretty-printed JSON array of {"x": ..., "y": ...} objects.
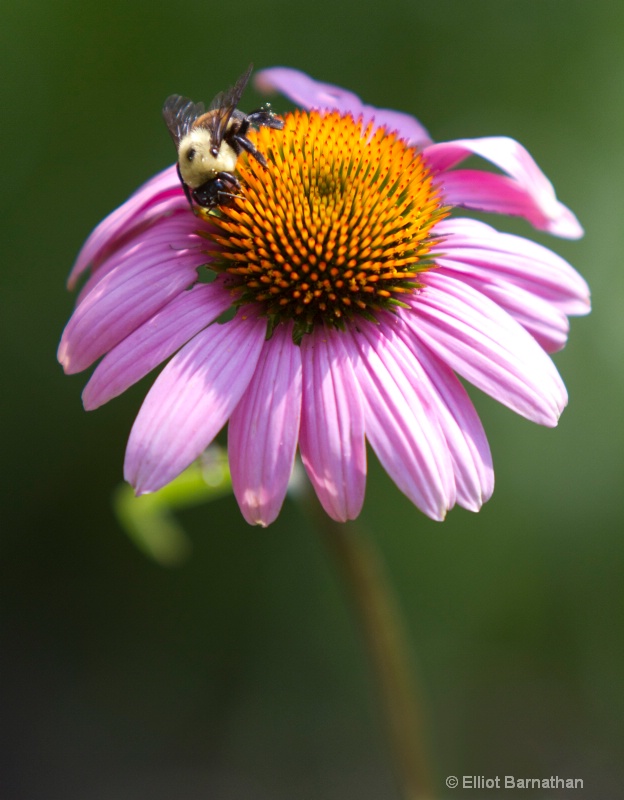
[{"x": 358, "y": 300}]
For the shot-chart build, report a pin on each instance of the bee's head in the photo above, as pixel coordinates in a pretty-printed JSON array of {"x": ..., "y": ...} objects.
[{"x": 198, "y": 157}]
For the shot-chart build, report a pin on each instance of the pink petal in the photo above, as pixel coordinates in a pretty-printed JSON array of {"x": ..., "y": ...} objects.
[
  {"x": 264, "y": 428},
  {"x": 482, "y": 343},
  {"x": 159, "y": 196},
  {"x": 548, "y": 326},
  {"x": 478, "y": 249},
  {"x": 191, "y": 401},
  {"x": 154, "y": 341},
  {"x": 310, "y": 94},
  {"x": 174, "y": 232},
  {"x": 535, "y": 286},
  {"x": 401, "y": 422},
  {"x": 527, "y": 193},
  {"x": 542, "y": 319},
  {"x": 460, "y": 423},
  {"x": 332, "y": 443},
  {"x": 144, "y": 276}
]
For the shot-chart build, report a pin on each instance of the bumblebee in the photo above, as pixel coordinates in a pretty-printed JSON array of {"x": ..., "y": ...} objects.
[{"x": 210, "y": 142}]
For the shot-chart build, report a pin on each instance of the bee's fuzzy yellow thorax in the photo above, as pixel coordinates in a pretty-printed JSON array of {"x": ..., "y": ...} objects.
[{"x": 203, "y": 165}]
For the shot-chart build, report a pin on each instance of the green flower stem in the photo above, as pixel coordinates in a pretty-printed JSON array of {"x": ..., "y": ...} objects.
[{"x": 384, "y": 635}]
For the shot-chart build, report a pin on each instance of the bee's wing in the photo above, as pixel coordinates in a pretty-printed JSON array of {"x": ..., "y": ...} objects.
[
  {"x": 224, "y": 105},
  {"x": 179, "y": 114}
]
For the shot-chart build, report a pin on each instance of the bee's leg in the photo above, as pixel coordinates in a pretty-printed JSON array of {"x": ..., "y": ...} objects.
[
  {"x": 228, "y": 178},
  {"x": 264, "y": 116},
  {"x": 245, "y": 144},
  {"x": 187, "y": 191},
  {"x": 225, "y": 187},
  {"x": 225, "y": 198}
]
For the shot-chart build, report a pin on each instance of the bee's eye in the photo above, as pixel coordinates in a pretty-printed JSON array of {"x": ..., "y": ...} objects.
[
  {"x": 190, "y": 154},
  {"x": 214, "y": 151}
]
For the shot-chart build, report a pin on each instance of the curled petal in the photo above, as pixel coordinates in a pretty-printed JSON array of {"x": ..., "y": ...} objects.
[
  {"x": 142, "y": 278},
  {"x": 308, "y": 93},
  {"x": 527, "y": 192},
  {"x": 158, "y": 197},
  {"x": 485, "y": 345},
  {"x": 191, "y": 401},
  {"x": 401, "y": 423},
  {"x": 332, "y": 443},
  {"x": 154, "y": 341},
  {"x": 263, "y": 430}
]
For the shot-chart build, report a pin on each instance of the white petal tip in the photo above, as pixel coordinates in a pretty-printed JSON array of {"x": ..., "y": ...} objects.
[
  {"x": 258, "y": 522},
  {"x": 566, "y": 226}
]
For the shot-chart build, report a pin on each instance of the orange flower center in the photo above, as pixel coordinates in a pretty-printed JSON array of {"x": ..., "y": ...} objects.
[{"x": 339, "y": 224}]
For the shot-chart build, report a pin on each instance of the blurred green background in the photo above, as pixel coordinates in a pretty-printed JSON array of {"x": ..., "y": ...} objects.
[{"x": 240, "y": 674}]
